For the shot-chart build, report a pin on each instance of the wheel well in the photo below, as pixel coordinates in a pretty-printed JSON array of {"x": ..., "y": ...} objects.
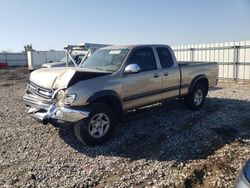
[
  {"x": 112, "y": 102},
  {"x": 204, "y": 82}
]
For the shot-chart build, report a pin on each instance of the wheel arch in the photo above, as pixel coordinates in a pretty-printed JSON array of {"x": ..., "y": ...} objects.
[
  {"x": 110, "y": 98},
  {"x": 201, "y": 79}
]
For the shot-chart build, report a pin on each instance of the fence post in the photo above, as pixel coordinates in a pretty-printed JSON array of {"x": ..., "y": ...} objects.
[
  {"x": 192, "y": 54},
  {"x": 236, "y": 62},
  {"x": 6, "y": 58}
]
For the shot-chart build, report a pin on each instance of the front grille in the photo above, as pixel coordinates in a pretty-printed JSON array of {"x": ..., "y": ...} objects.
[{"x": 39, "y": 90}]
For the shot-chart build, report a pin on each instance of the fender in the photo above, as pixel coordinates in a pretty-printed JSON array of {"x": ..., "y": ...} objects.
[
  {"x": 195, "y": 80},
  {"x": 112, "y": 97},
  {"x": 103, "y": 93}
]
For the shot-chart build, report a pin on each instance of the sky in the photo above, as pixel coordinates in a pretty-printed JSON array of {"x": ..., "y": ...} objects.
[{"x": 52, "y": 24}]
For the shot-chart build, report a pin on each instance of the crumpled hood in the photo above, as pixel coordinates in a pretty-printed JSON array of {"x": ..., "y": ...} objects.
[{"x": 63, "y": 77}]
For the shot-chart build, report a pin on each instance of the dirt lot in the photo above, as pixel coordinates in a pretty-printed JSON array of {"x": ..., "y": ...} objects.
[{"x": 164, "y": 145}]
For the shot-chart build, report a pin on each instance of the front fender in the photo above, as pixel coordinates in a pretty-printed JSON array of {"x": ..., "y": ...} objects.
[{"x": 101, "y": 94}]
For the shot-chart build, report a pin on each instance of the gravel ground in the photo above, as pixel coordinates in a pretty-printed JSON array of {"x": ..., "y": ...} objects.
[{"x": 164, "y": 145}]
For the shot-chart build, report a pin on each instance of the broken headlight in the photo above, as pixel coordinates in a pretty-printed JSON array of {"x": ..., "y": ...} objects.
[
  {"x": 70, "y": 98},
  {"x": 63, "y": 98}
]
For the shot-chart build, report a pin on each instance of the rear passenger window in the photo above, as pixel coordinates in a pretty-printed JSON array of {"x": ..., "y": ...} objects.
[
  {"x": 165, "y": 57},
  {"x": 144, "y": 58}
]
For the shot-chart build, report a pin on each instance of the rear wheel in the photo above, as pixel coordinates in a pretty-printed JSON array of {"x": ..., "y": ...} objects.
[
  {"x": 98, "y": 127},
  {"x": 196, "y": 98}
]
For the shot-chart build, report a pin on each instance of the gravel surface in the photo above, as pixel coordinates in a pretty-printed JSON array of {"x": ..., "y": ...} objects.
[{"x": 164, "y": 145}]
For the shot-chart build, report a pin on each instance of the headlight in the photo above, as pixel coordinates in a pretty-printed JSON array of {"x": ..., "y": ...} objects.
[
  {"x": 63, "y": 98},
  {"x": 69, "y": 99}
]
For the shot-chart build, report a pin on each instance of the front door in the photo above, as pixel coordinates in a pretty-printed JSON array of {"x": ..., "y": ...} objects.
[{"x": 144, "y": 87}]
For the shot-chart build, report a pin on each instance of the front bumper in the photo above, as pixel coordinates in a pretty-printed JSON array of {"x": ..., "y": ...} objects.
[{"x": 48, "y": 112}]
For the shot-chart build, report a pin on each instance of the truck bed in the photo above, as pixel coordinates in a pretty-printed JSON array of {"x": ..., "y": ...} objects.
[{"x": 189, "y": 70}]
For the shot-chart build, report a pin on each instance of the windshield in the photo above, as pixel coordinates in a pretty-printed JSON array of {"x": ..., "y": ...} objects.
[{"x": 106, "y": 59}]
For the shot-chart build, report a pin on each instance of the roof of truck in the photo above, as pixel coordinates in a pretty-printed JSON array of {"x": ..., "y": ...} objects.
[{"x": 131, "y": 46}]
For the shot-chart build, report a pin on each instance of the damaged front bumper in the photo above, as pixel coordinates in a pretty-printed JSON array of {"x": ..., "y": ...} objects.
[{"x": 48, "y": 112}]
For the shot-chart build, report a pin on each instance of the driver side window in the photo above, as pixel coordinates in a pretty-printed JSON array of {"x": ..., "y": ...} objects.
[{"x": 143, "y": 57}]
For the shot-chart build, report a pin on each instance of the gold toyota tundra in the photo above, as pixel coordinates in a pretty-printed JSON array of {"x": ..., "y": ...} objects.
[{"x": 115, "y": 79}]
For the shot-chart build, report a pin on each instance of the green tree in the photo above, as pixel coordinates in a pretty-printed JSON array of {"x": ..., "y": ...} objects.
[{"x": 28, "y": 47}]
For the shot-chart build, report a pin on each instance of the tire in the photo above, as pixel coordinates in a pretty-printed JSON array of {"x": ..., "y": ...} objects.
[
  {"x": 98, "y": 127},
  {"x": 196, "y": 98}
]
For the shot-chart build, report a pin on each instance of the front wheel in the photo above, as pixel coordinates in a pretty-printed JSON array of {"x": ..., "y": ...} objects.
[
  {"x": 98, "y": 127},
  {"x": 196, "y": 98}
]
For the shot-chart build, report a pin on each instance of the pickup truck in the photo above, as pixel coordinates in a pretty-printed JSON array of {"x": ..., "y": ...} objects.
[{"x": 115, "y": 79}]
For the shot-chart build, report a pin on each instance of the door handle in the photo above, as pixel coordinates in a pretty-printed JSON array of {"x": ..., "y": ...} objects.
[
  {"x": 156, "y": 75},
  {"x": 165, "y": 73}
]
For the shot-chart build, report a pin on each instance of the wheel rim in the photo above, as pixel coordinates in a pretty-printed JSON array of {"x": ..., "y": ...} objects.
[
  {"x": 198, "y": 97},
  {"x": 99, "y": 125}
]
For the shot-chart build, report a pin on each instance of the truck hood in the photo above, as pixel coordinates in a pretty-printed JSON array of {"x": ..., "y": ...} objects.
[{"x": 63, "y": 77}]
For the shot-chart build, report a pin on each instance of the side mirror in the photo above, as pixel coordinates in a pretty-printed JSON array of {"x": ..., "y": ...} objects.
[{"x": 132, "y": 69}]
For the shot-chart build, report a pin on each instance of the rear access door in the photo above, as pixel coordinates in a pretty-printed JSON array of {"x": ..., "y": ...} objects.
[{"x": 170, "y": 73}]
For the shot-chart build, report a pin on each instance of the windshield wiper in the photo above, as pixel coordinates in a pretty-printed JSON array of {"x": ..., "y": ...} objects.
[{"x": 97, "y": 68}]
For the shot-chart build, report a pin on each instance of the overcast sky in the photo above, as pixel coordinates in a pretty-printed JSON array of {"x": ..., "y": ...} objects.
[{"x": 52, "y": 24}]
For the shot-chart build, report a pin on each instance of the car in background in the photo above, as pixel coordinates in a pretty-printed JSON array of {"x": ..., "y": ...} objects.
[
  {"x": 243, "y": 180},
  {"x": 75, "y": 55},
  {"x": 63, "y": 62}
]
